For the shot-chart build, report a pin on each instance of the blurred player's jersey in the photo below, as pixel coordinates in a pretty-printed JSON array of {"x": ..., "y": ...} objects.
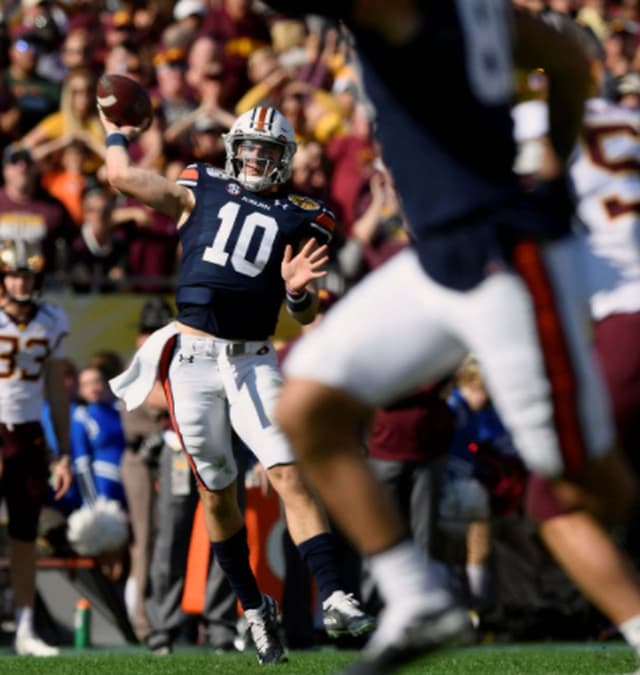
[
  {"x": 23, "y": 352},
  {"x": 445, "y": 126},
  {"x": 605, "y": 175},
  {"x": 230, "y": 283}
]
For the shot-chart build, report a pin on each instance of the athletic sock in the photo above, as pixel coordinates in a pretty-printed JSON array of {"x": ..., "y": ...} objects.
[
  {"x": 24, "y": 622},
  {"x": 479, "y": 579},
  {"x": 319, "y": 555},
  {"x": 630, "y": 630},
  {"x": 233, "y": 556},
  {"x": 405, "y": 576}
]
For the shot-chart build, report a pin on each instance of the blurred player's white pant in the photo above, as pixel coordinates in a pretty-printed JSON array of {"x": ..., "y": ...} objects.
[{"x": 398, "y": 330}]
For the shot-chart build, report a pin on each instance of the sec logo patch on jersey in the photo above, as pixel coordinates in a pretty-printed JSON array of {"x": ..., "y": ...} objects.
[
  {"x": 304, "y": 202},
  {"x": 233, "y": 189}
]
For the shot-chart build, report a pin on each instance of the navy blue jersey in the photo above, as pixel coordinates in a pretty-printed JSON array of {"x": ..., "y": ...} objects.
[
  {"x": 232, "y": 247},
  {"x": 445, "y": 126}
]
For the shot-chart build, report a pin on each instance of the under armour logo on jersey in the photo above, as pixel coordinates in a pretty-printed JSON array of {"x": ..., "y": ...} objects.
[{"x": 189, "y": 359}]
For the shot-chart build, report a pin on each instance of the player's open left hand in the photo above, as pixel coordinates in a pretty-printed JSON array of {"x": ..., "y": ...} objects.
[{"x": 307, "y": 265}]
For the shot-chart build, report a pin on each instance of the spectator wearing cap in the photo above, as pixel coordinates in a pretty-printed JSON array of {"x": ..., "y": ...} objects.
[
  {"x": 48, "y": 23},
  {"x": 29, "y": 212},
  {"x": 36, "y": 96},
  {"x": 189, "y": 14},
  {"x": 206, "y": 137}
]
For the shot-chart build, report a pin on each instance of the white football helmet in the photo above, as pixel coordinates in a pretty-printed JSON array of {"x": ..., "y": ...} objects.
[{"x": 257, "y": 129}]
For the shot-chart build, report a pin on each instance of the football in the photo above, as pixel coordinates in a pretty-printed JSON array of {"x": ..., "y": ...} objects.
[{"x": 123, "y": 100}]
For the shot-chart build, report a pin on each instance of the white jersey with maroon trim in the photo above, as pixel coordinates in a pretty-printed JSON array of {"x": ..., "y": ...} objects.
[
  {"x": 24, "y": 350},
  {"x": 605, "y": 173}
]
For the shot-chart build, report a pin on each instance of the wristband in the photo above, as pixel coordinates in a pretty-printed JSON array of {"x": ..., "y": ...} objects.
[
  {"x": 294, "y": 294},
  {"x": 117, "y": 138},
  {"x": 299, "y": 302}
]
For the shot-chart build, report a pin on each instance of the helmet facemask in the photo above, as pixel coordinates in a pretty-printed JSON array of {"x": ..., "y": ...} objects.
[{"x": 257, "y": 163}]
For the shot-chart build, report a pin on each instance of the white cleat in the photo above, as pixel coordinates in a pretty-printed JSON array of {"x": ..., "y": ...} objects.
[
  {"x": 342, "y": 615},
  {"x": 34, "y": 646}
]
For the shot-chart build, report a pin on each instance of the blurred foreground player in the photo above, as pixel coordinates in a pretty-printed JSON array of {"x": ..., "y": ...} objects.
[{"x": 490, "y": 271}]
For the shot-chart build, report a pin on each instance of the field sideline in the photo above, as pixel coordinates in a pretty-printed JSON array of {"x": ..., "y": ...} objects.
[{"x": 610, "y": 658}]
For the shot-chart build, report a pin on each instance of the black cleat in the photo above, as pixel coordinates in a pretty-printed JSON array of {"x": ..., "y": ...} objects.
[{"x": 160, "y": 644}]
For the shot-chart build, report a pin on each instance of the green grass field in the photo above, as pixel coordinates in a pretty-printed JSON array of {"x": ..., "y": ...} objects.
[{"x": 530, "y": 659}]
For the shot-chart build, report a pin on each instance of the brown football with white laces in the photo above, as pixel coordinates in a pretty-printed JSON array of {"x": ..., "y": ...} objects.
[{"x": 123, "y": 100}]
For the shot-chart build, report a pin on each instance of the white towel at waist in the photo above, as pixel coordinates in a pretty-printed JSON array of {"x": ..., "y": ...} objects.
[{"x": 135, "y": 383}]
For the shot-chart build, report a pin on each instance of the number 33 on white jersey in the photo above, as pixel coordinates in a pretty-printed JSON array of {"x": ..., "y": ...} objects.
[{"x": 23, "y": 353}]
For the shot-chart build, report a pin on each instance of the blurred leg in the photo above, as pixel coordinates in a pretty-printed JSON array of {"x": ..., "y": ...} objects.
[{"x": 138, "y": 486}]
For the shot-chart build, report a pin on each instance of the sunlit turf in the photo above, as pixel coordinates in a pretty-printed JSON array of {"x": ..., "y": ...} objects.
[{"x": 531, "y": 659}]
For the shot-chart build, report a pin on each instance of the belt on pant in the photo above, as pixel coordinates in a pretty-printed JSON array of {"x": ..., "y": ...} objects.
[
  {"x": 236, "y": 348},
  {"x": 212, "y": 346},
  {"x": 241, "y": 348}
]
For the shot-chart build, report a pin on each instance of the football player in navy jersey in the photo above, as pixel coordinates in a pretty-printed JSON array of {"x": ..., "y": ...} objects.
[
  {"x": 247, "y": 244},
  {"x": 490, "y": 271}
]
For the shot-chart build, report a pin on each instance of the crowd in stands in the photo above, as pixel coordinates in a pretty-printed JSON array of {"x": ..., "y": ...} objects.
[{"x": 204, "y": 62}]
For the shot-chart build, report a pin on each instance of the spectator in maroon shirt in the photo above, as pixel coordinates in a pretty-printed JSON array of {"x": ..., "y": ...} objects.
[
  {"x": 240, "y": 30},
  {"x": 152, "y": 249},
  {"x": 352, "y": 155},
  {"x": 27, "y": 211}
]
